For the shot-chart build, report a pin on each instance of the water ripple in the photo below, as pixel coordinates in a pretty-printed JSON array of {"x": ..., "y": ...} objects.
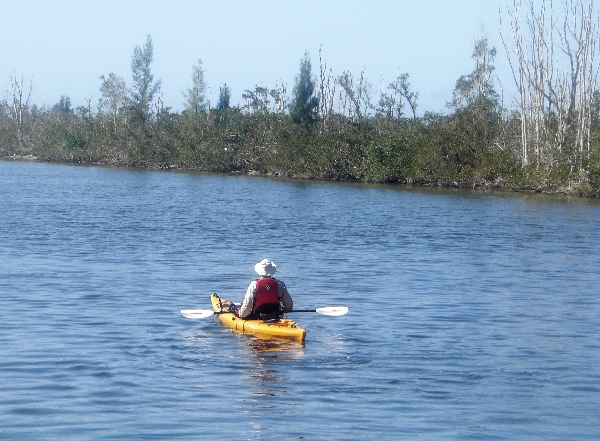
[{"x": 471, "y": 317}]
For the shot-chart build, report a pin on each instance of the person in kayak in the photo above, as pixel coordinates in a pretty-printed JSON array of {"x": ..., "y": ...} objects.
[{"x": 266, "y": 298}]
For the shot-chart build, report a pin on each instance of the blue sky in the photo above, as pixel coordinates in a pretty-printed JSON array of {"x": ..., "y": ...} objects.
[{"x": 63, "y": 46}]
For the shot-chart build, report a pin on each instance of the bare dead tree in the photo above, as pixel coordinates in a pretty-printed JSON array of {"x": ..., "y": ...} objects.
[
  {"x": 114, "y": 96},
  {"x": 326, "y": 92},
  {"x": 553, "y": 67},
  {"x": 257, "y": 100},
  {"x": 346, "y": 82},
  {"x": 518, "y": 74},
  {"x": 581, "y": 32},
  {"x": 89, "y": 106},
  {"x": 19, "y": 104},
  {"x": 159, "y": 103},
  {"x": 279, "y": 94},
  {"x": 342, "y": 103},
  {"x": 402, "y": 88},
  {"x": 359, "y": 96},
  {"x": 208, "y": 104},
  {"x": 388, "y": 106}
]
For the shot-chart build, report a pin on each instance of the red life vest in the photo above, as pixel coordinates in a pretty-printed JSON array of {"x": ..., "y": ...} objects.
[{"x": 266, "y": 292}]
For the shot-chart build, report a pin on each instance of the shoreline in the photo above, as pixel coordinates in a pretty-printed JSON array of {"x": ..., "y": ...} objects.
[{"x": 179, "y": 168}]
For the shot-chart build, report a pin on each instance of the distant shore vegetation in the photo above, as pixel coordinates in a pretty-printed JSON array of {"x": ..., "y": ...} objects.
[{"x": 336, "y": 127}]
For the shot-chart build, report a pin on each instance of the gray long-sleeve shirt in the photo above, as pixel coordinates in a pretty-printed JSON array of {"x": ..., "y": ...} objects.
[{"x": 248, "y": 303}]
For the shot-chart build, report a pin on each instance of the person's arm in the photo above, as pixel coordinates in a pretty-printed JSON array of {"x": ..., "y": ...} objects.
[
  {"x": 248, "y": 303},
  {"x": 285, "y": 297}
]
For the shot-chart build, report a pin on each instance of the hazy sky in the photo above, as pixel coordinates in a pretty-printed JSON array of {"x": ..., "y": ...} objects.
[{"x": 63, "y": 46}]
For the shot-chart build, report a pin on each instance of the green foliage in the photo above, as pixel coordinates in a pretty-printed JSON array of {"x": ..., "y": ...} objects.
[
  {"x": 389, "y": 160},
  {"x": 64, "y": 105},
  {"x": 114, "y": 96},
  {"x": 224, "y": 113},
  {"x": 75, "y": 141},
  {"x": 594, "y": 171},
  {"x": 478, "y": 84},
  {"x": 224, "y": 98},
  {"x": 143, "y": 89},
  {"x": 303, "y": 108},
  {"x": 476, "y": 144},
  {"x": 464, "y": 148},
  {"x": 257, "y": 100},
  {"x": 401, "y": 88},
  {"x": 194, "y": 103}
]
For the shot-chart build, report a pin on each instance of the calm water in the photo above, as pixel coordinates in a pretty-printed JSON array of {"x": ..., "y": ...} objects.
[{"x": 472, "y": 316}]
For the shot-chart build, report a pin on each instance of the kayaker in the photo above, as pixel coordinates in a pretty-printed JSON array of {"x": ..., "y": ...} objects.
[{"x": 266, "y": 298}]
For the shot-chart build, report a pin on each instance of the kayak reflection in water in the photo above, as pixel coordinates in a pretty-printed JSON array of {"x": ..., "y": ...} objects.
[{"x": 266, "y": 298}]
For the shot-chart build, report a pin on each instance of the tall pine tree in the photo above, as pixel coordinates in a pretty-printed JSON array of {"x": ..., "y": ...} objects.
[{"x": 303, "y": 108}]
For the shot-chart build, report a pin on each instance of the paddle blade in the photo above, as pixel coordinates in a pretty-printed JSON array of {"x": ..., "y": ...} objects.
[
  {"x": 333, "y": 310},
  {"x": 196, "y": 313}
]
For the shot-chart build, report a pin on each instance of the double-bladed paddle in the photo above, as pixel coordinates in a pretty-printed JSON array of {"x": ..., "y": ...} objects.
[{"x": 203, "y": 313}]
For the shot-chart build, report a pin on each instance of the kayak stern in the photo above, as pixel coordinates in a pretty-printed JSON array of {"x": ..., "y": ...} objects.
[{"x": 282, "y": 329}]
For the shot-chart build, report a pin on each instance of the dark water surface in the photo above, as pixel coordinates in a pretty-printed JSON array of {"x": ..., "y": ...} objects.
[{"x": 472, "y": 316}]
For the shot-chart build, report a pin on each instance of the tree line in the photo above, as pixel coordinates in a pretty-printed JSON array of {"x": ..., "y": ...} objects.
[{"x": 336, "y": 128}]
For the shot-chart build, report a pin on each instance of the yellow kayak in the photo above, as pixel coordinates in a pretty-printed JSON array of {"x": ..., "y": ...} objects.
[{"x": 280, "y": 329}]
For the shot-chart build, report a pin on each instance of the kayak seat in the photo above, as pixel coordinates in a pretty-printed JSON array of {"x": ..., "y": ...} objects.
[
  {"x": 269, "y": 312},
  {"x": 270, "y": 317}
]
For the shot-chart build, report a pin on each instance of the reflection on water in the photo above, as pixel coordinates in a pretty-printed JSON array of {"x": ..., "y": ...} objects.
[
  {"x": 268, "y": 362},
  {"x": 266, "y": 375},
  {"x": 276, "y": 348}
]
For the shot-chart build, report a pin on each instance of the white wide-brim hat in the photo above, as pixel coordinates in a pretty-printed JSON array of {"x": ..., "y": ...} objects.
[{"x": 265, "y": 268}]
